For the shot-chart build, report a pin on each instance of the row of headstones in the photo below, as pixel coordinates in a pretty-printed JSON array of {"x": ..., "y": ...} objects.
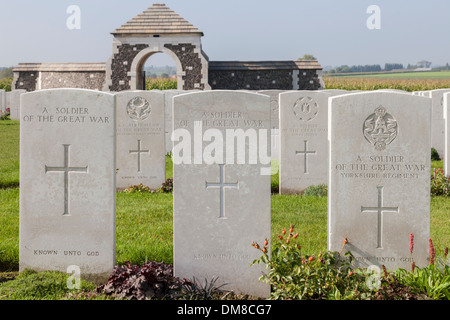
[
  {"x": 378, "y": 160},
  {"x": 11, "y": 100},
  {"x": 304, "y": 128}
]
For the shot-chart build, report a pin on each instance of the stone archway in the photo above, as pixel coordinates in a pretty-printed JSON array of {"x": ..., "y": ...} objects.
[{"x": 157, "y": 29}]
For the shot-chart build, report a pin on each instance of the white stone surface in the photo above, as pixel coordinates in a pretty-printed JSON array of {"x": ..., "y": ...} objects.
[
  {"x": 335, "y": 91},
  {"x": 379, "y": 183},
  {"x": 446, "y": 155},
  {"x": 2, "y": 101},
  {"x": 275, "y": 120},
  {"x": 67, "y": 182},
  {"x": 168, "y": 95},
  {"x": 304, "y": 140},
  {"x": 274, "y": 105},
  {"x": 14, "y": 103},
  {"x": 221, "y": 198},
  {"x": 438, "y": 124},
  {"x": 140, "y": 139}
]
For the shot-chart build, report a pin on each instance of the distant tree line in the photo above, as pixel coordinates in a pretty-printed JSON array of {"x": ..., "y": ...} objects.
[
  {"x": 366, "y": 68},
  {"x": 6, "y": 73},
  {"x": 387, "y": 67},
  {"x": 160, "y": 72}
]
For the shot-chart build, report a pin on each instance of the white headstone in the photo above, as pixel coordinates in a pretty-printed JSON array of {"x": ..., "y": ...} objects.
[
  {"x": 304, "y": 140},
  {"x": 393, "y": 90},
  {"x": 67, "y": 182},
  {"x": 335, "y": 91},
  {"x": 2, "y": 101},
  {"x": 14, "y": 103},
  {"x": 438, "y": 125},
  {"x": 379, "y": 184},
  {"x": 221, "y": 187},
  {"x": 446, "y": 155},
  {"x": 140, "y": 139},
  {"x": 275, "y": 120},
  {"x": 168, "y": 95}
]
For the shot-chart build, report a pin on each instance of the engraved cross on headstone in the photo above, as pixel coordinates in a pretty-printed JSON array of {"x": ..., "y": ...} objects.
[
  {"x": 306, "y": 153},
  {"x": 222, "y": 185},
  {"x": 66, "y": 169},
  {"x": 380, "y": 210},
  {"x": 139, "y": 151}
]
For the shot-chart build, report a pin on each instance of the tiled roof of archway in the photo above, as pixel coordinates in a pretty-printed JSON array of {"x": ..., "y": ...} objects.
[{"x": 158, "y": 19}]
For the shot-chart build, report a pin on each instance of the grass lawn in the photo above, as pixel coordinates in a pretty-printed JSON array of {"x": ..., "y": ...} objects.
[
  {"x": 144, "y": 220},
  {"x": 9, "y": 153}
]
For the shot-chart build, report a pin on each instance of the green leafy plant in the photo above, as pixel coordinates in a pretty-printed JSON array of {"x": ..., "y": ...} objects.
[
  {"x": 391, "y": 288},
  {"x": 297, "y": 276},
  {"x": 432, "y": 281},
  {"x": 440, "y": 184},
  {"x": 194, "y": 290},
  {"x": 320, "y": 190},
  {"x": 435, "y": 155}
]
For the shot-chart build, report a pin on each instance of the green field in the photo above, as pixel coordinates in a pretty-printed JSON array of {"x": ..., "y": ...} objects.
[{"x": 433, "y": 75}]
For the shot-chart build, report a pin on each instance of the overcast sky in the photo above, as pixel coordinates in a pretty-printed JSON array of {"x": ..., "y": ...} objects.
[{"x": 334, "y": 31}]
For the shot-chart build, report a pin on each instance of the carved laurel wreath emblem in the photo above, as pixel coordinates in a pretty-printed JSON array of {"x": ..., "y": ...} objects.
[
  {"x": 380, "y": 128},
  {"x": 138, "y": 108},
  {"x": 305, "y": 109}
]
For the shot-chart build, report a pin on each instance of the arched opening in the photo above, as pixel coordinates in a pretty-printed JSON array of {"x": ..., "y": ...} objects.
[
  {"x": 149, "y": 63},
  {"x": 159, "y": 72}
]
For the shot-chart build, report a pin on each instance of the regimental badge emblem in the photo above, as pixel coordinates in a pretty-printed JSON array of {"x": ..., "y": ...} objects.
[
  {"x": 380, "y": 128},
  {"x": 138, "y": 108},
  {"x": 305, "y": 109}
]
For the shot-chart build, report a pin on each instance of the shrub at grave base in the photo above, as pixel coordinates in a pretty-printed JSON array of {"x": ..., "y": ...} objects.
[
  {"x": 320, "y": 190},
  {"x": 154, "y": 280},
  {"x": 167, "y": 186},
  {"x": 6, "y": 115},
  {"x": 433, "y": 281},
  {"x": 194, "y": 290},
  {"x": 440, "y": 184},
  {"x": 328, "y": 276},
  {"x": 138, "y": 188},
  {"x": 294, "y": 276}
]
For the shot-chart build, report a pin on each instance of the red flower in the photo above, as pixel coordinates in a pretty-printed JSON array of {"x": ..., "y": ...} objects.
[
  {"x": 411, "y": 242},
  {"x": 432, "y": 252}
]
